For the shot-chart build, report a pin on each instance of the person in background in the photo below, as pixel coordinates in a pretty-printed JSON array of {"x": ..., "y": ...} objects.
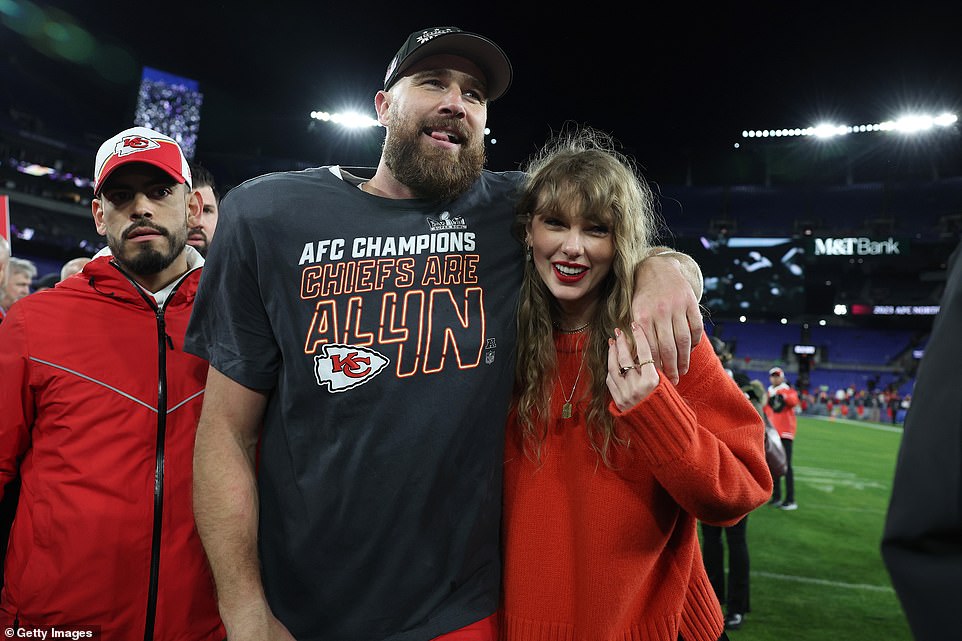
[
  {"x": 360, "y": 327},
  {"x": 8, "y": 503},
  {"x": 45, "y": 282},
  {"x": 734, "y": 592},
  {"x": 202, "y": 233},
  {"x": 73, "y": 266},
  {"x": 608, "y": 465},
  {"x": 922, "y": 539},
  {"x": 4, "y": 261},
  {"x": 100, "y": 408},
  {"x": 19, "y": 276},
  {"x": 780, "y": 410}
]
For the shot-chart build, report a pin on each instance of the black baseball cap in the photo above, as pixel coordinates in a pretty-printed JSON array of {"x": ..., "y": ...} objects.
[{"x": 489, "y": 57}]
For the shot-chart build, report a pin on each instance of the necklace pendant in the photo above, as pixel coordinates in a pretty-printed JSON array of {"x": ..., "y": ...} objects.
[{"x": 566, "y": 410}]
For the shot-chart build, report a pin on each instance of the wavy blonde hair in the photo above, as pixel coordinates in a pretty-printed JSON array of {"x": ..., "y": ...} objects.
[{"x": 579, "y": 169}]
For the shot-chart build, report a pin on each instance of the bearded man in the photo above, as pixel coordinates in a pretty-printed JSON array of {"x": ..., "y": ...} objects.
[
  {"x": 360, "y": 326},
  {"x": 100, "y": 408}
]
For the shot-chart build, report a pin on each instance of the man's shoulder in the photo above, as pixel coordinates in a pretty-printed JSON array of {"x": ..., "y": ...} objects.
[
  {"x": 502, "y": 186},
  {"x": 282, "y": 181}
]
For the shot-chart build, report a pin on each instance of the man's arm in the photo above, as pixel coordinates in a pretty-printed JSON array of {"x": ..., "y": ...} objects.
[
  {"x": 668, "y": 286},
  {"x": 226, "y": 508}
]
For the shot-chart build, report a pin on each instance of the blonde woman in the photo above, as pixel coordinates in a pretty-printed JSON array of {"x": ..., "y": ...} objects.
[{"x": 608, "y": 465}]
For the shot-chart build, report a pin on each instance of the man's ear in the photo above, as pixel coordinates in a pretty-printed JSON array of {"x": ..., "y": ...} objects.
[
  {"x": 97, "y": 209},
  {"x": 382, "y": 102},
  {"x": 195, "y": 206}
]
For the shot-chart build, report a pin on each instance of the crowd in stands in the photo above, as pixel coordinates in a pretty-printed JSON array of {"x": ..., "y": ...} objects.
[{"x": 859, "y": 373}]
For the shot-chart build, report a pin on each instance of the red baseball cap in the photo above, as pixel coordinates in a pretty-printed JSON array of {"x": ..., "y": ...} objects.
[{"x": 140, "y": 144}]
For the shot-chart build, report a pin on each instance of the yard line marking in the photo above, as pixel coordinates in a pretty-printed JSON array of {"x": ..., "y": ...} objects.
[
  {"x": 848, "y": 421},
  {"x": 834, "y": 584}
]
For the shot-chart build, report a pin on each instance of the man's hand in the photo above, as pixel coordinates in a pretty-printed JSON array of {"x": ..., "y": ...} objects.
[{"x": 665, "y": 306}]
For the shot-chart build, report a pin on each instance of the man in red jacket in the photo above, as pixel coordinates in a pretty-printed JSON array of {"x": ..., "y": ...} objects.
[
  {"x": 780, "y": 410},
  {"x": 100, "y": 407}
]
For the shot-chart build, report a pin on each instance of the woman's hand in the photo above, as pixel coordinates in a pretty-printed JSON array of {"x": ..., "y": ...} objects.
[{"x": 631, "y": 377}]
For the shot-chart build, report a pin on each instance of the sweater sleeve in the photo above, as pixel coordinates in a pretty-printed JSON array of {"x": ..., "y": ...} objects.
[
  {"x": 16, "y": 396},
  {"x": 704, "y": 441}
]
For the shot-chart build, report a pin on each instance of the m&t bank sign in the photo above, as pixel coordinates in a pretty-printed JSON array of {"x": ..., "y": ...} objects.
[{"x": 858, "y": 246}]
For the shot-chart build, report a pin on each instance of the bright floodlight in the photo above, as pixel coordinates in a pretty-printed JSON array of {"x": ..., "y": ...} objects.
[
  {"x": 347, "y": 119},
  {"x": 908, "y": 124},
  {"x": 830, "y": 131}
]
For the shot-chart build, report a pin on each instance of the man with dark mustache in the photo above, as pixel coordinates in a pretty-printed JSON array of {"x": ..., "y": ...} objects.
[
  {"x": 100, "y": 408},
  {"x": 360, "y": 325}
]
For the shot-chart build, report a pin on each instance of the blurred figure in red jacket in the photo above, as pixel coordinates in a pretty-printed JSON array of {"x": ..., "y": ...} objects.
[{"x": 780, "y": 410}]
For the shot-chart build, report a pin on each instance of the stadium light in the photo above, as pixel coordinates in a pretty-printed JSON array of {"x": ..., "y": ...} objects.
[
  {"x": 347, "y": 119},
  {"x": 908, "y": 124}
]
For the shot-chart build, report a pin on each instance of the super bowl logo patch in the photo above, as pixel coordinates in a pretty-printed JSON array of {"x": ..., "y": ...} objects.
[{"x": 344, "y": 367}]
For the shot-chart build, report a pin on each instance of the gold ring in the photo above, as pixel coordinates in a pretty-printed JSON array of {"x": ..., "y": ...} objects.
[{"x": 625, "y": 370}]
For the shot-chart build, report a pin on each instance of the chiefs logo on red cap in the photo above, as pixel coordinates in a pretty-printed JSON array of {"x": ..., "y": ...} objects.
[{"x": 133, "y": 144}]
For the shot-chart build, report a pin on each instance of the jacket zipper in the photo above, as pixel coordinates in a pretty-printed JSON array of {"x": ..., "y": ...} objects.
[
  {"x": 163, "y": 340},
  {"x": 158, "y": 473}
]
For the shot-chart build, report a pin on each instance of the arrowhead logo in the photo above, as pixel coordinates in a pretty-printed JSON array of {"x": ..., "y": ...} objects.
[
  {"x": 344, "y": 367},
  {"x": 133, "y": 144}
]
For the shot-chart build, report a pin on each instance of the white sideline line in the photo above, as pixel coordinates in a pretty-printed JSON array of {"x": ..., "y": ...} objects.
[
  {"x": 848, "y": 421},
  {"x": 834, "y": 584}
]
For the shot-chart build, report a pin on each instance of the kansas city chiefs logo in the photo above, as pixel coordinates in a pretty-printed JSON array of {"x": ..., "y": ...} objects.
[
  {"x": 133, "y": 144},
  {"x": 344, "y": 367}
]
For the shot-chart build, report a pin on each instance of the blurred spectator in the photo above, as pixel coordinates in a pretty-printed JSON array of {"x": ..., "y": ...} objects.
[
  {"x": 874, "y": 412},
  {"x": 45, "y": 282},
  {"x": 73, "y": 266},
  {"x": 4, "y": 260},
  {"x": 20, "y": 273},
  {"x": 733, "y": 593},
  {"x": 780, "y": 410}
]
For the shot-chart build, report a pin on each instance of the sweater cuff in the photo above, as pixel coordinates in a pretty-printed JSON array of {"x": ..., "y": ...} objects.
[
  {"x": 663, "y": 423},
  {"x": 701, "y": 619}
]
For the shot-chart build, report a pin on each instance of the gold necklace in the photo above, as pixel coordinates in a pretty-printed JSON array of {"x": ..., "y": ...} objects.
[
  {"x": 566, "y": 408},
  {"x": 576, "y": 330}
]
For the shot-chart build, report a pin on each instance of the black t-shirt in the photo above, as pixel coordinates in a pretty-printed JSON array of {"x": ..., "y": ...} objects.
[{"x": 385, "y": 330}]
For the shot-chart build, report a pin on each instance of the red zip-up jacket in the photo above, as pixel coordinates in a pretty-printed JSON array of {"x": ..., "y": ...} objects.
[{"x": 99, "y": 410}]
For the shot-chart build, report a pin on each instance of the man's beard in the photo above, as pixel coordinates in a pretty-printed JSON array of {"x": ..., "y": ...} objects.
[
  {"x": 144, "y": 260},
  {"x": 199, "y": 234},
  {"x": 433, "y": 173}
]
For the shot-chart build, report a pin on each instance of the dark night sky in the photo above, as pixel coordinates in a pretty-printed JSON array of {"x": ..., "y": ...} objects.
[{"x": 668, "y": 83}]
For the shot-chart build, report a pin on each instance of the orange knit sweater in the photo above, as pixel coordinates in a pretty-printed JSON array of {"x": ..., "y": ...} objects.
[{"x": 598, "y": 554}]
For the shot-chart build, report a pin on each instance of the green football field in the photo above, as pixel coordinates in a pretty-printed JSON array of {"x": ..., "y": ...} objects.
[{"x": 817, "y": 573}]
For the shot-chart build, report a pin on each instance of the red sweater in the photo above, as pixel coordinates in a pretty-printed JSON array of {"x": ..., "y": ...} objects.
[{"x": 594, "y": 553}]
